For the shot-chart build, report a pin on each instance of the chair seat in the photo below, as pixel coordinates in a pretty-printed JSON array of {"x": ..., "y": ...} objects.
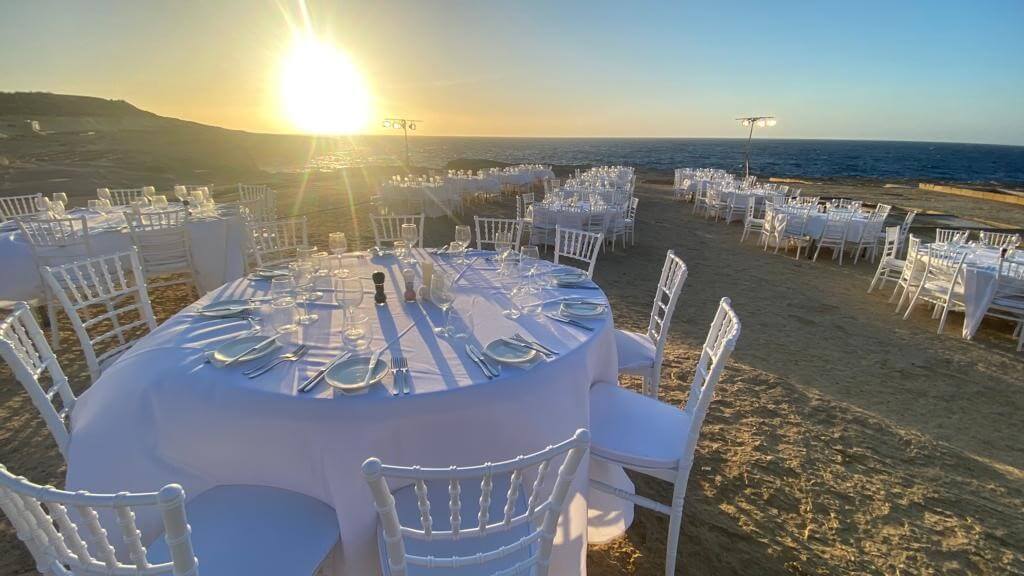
[
  {"x": 634, "y": 429},
  {"x": 256, "y": 530},
  {"x": 407, "y": 506},
  {"x": 636, "y": 353},
  {"x": 1016, "y": 303}
]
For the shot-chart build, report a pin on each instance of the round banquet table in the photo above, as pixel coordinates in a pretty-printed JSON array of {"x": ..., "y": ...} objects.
[
  {"x": 816, "y": 224},
  {"x": 217, "y": 244},
  {"x": 160, "y": 414}
]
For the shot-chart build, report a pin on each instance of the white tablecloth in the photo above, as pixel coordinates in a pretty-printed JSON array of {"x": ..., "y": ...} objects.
[
  {"x": 572, "y": 217},
  {"x": 159, "y": 414},
  {"x": 817, "y": 220},
  {"x": 218, "y": 252}
]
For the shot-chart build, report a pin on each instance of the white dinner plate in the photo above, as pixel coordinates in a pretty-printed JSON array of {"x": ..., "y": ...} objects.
[
  {"x": 233, "y": 348},
  {"x": 507, "y": 352},
  {"x": 225, "y": 308},
  {"x": 348, "y": 375},
  {"x": 570, "y": 277},
  {"x": 582, "y": 309}
]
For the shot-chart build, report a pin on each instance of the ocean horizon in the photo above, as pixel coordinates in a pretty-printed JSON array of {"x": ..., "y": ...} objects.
[{"x": 980, "y": 164}]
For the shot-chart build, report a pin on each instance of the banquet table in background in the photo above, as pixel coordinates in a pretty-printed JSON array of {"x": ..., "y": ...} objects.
[
  {"x": 574, "y": 217},
  {"x": 217, "y": 243},
  {"x": 816, "y": 223},
  {"x": 161, "y": 414}
]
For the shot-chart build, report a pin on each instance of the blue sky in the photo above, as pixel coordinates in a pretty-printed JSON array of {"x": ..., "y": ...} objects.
[{"x": 906, "y": 70}]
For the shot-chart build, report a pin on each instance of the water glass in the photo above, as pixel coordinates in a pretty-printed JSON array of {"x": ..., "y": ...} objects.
[
  {"x": 441, "y": 293},
  {"x": 282, "y": 286},
  {"x": 463, "y": 236},
  {"x": 358, "y": 332},
  {"x": 401, "y": 248},
  {"x": 348, "y": 293},
  {"x": 282, "y": 314}
]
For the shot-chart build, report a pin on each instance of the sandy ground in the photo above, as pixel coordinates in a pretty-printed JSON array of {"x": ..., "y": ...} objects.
[{"x": 843, "y": 440}]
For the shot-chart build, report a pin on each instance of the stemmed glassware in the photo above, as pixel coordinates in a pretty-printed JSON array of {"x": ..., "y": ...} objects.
[
  {"x": 348, "y": 294},
  {"x": 411, "y": 235},
  {"x": 463, "y": 236},
  {"x": 442, "y": 294},
  {"x": 304, "y": 289}
]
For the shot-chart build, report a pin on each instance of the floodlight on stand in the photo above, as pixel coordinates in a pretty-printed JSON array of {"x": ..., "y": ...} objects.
[
  {"x": 759, "y": 121},
  {"x": 405, "y": 125}
]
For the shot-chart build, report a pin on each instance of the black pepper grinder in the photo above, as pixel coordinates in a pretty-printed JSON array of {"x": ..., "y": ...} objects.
[{"x": 378, "y": 285}]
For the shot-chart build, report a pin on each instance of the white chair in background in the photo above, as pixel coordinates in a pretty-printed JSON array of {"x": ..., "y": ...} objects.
[
  {"x": 232, "y": 530},
  {"x": 912, "y": 272},
  {"x": 905, "y": 228},
  {"x": 833, "y": 235},
  {"x": 543, "y": 226},
  {"x": 578, "y": 245},
  {"x": 17, "y": 206},
  {"x": 716, "y": 204},
  {"x": 121, "y": 196},
  {"x": 737, "y": 206},
  {"x": 487, "y": 229},
  {"x": 276, "y": 242},
  {"x": 630, "y": 221},
  {"x": 1008, "y": 302},
  {"x": 644, "y": 435},
  {"x": 501, "y": 517},
  {"x": 551, "y": 184},
  {"x": 55, "y": 241},
  {"x": 947, "y": 235},
  {"x": 162, "y": 241},
  {"x": 868, "y": 241},
  {"x": 942, "y": 284},
  {"x": 642, "y": 354},
  {"x": 1000, "y": 239},
  {"x": 24, "y": 348},
  {"x": 750, "y": 223},
  {"x": 794, "y": 232},
  {"x": 388, "y": 227},
  {"x": 108, "y": 304},
  {"x": 890, "y": 267}
]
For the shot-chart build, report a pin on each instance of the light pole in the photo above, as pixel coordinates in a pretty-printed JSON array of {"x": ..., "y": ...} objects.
[
  {"x": 760, "y": 121},
  {"x": 406, "y": 125}
]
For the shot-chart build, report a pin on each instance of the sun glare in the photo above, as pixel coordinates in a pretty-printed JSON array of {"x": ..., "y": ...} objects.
[{"x": 322, "y": 92}]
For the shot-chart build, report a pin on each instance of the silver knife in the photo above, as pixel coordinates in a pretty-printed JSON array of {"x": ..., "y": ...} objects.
[
  {"x": 258, "y": 345},
  {"x": 527, "y": 345},
  {"x": 309, "y": 384},
  {"x": 479, "y": 363},
  {"x": 369, "y": 370},
  {"x": 569, "y": 321},
  {"x": 494, "y": 371},
  {"x": 538, "y": 343}
]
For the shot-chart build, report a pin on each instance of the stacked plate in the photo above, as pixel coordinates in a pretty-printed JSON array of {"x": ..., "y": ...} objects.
[
  {"x": 509, "y": 351},
  {"x": 349, "y": 374},
  {"x": 567, "y": 278},
  {"x": 582, "y": 309}
]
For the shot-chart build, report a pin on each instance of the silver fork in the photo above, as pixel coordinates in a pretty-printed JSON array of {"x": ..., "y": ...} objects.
[
  {"x": 404, "y": 369},
  {"x": 289, "y": 357},
  {"x": 396, "y": 363}
]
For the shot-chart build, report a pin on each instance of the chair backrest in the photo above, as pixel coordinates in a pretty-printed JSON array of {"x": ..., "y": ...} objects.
[
  {"x": 633, "y": 203},
  {"x": 65, "y": 535},
  {"x": 892, "y": 244},
  {"x": 25, "y": 349},
  {"x": 388, "y": 227},
  {"x": 162, "y": 240},
  {"x": 749, "y": 214},
  {"x": 673, "y": 275},
  {"x": 1010, "y": 282},
  {"x": 488, "y": 228},
  {"x": 882, "y": 211},
  {"x": 836, "y": 225},
  {"x": 56, "y": 241},
  {"x": 276, "y": 241},
  {"x": 1000, "y": 239},
  {"x": 944, "y": 264},
  {"x": 15, "y": 206},
  {"x": 248, "y": 192},
  {"x": 530, "y": 505},
  {"x": 107, "y": 301},
  {"x": 718, "y": 346},
  {"x": 796, "y": 221},
  {"x": 947, "y": 235},
  {"x": 578, "y": 245},
  {"x": 121, "y": 196}
]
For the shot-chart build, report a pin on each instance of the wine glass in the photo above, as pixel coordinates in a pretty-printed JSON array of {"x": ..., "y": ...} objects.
[
  {"x": 303, "y": 272},
  {"x": 441, "y": 294},
  {"x": 463, "y": 236},
  {"x": 348, "y": 294},
  {"x": 359, "y": 333},
  {"x": 338, "y": 243},
  {"x": 411, "y": 235}
]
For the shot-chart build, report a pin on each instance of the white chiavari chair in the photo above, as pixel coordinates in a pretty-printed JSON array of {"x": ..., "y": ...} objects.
[
  {"x": 487, "y": 230},
  {"x": 942, "y": 284},
  {"x": 948, "y": 235},
  {"x": 501, "y": 517},
  {"x": 868, "y": 242},
  {"x": 229, "y": 529},
  {"x": 55, "y": 241},
  {"x": 24, "y": 348},
  {"x": 642, "y": 354},
  {"x": 107, "y": 301},
  {"x": 794, "y": 232},
  {"x": 527, "y": 198},
  {"x": 388, "y": 227},
  {"x": 700, "y": 197},
  {"x": 890, "y": 267},
  {"x": 912, "y": 272},
  {"x": 716, "y": 204},
  {"x": 17, "y": 206},
  {"x": 542, "y": 226},
  {"x": 833, "y": 235},
  {"x": 1008, "y": 301},
  {"x": 750, "y": 222},
  {"x": 162, "y": 241},
  {"x": 276, "y": 242},
  {"x": 630, "y": 221},
  {"x": 1000, "y": 239},
  {"x": 905, "y": 227},
  {"x": 647, "y": 436},
  {"x": 737, "y": 206},
  {"x": 578, "y": 245},
  {"x": 121, "y": 196}
]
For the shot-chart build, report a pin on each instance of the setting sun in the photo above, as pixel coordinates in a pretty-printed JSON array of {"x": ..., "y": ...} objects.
[{"x": 322, "y": 91}]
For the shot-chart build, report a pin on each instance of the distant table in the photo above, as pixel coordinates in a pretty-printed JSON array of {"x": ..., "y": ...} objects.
[{"x": 218, "y": 251}]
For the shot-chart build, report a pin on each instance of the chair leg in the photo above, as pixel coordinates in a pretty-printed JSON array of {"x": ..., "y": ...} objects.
[
  {"x": 942, "y": 320},
  {"x": 675, "y": 524}
]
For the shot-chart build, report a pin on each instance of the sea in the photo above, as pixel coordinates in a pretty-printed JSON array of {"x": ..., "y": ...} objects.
[{"x": 981, "y": 164}]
